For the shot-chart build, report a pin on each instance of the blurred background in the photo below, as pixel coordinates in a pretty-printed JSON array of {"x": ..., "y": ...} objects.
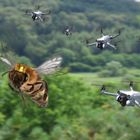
[{"x": 76, "y": 109}]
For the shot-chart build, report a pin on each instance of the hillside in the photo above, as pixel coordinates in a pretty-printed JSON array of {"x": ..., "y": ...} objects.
[{"x": 39, "y": 41}]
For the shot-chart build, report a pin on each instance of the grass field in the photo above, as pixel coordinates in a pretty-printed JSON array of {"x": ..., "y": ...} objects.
[{"x": 92, "y": 78}]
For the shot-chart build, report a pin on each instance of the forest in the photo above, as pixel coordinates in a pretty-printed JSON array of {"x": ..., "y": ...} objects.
[{"x": 76, "y": 109}]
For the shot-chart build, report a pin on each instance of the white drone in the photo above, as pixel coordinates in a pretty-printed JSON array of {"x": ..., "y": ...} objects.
[
  {"x": 68, "y": 31},
  {"x": 104, "y": 41},
  {"x": 38, "y": 14},
  {"x": 125, "y": 97}
]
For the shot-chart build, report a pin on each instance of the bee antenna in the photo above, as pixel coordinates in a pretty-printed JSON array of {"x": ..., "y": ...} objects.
[{"x": 4, "y": 73}]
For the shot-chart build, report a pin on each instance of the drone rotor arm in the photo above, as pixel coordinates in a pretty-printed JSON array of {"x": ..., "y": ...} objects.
[
  {"x": 47, "y": 12},
  {"x": 43, "y": 14},
  {"x": 137, "y": 103},
  {"x": 91, "y": 44},
  {"x": 29, "y": 12},
  {"x": 111, "y": 45},
  {"x": 40, "y": 18},
  {"x": 102, "y": 32},
  {"x": 119, "y": 32},
  {"x": 109, "y": 93},
  {"x": 115, "y": 36}
]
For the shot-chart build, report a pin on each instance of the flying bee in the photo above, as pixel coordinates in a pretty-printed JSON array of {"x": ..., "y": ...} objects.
[{"x": 27, "y": 80}]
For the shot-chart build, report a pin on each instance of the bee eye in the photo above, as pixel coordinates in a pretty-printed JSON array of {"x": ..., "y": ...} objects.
[{"x": 26, "y": 78}]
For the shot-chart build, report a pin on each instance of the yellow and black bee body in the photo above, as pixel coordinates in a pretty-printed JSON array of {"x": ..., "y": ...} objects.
[{"x": 25, "y": 79}]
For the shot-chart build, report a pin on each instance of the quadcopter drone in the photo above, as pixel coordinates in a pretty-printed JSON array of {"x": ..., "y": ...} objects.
[
  {"x": 38, "y": 14},
  {"x": 125, "y": 97},
  {"x": 68, "y": 31},
  {"x": 103, "y": 41}
]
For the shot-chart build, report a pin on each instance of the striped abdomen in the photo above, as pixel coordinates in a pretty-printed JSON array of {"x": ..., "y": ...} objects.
[{"x": 37, "y": 91}]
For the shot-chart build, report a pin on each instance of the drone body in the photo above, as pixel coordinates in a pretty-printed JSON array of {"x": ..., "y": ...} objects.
[
  {"x": 38, "y": 14},
  {"x": 125, "y": 97},
  {"x": 68, "y": 31},
  {"x": 103, "y": 41},
  {"x": 129, "y": 98}
]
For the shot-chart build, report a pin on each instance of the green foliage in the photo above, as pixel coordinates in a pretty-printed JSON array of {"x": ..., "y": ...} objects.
[
  {"x": 40, "y": 41},
  {"x": 66, "y": 97},
  {"x": 113, "y": 68},
  {"x": 76, "y": 110},
  {"x": 80, "y": 67}
]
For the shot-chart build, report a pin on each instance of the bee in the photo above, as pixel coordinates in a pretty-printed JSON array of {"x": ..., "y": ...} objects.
[{"x": 27, "y": 80}]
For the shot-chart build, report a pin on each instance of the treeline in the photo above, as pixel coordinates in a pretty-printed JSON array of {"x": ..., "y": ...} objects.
[{"x": 40, "y": 41}]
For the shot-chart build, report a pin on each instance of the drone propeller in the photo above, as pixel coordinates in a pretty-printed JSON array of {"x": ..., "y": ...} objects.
[
  {"x": 103, "y": 88},
  {"x": 119, "y": 32},
  {"x": 27, "y": 11},
  {"x": 102, "y": 31},
  {"x": 87, "y": 40},
  {"x": 37, "y": 7},
  {"x": 131, "y": 84},
  {"x": 118, "y": 92},
  {"x": 67, "y": 28},
  {"x": 117, "y": 42},
  {"x": 130, "y": 81},
  {"x": 48, "y": 12}
]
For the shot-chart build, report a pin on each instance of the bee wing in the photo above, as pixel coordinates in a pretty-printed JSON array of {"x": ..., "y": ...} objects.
[
  {"x": 5, "y": 60},
  {"x": 50, "y": 66}
]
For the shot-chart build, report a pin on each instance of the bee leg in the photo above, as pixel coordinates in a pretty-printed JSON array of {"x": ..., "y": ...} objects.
[
  {"x": 46, "y": 84},
  {"x": 45, "y": 97},
  {"x": 23, "y": 99},
  {"x": 11, "y": 87},
  {"x": 21, "y": 94}
]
